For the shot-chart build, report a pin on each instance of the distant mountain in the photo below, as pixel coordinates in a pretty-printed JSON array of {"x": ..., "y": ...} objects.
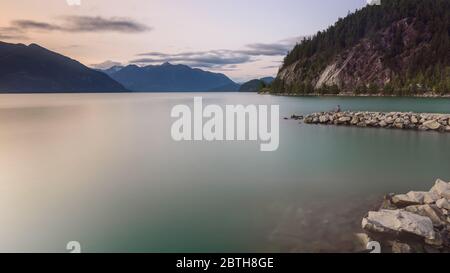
[
  {"x": 256, "y": 85},
  {"x": 401, "y": 47},
  {"x": 30, "y": 69},
  {"x": 268, "y": 80},
  {"x": 170, "y": 78}
]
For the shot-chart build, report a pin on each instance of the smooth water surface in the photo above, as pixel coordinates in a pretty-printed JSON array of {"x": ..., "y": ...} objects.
[{"x": 102, "y": 169}]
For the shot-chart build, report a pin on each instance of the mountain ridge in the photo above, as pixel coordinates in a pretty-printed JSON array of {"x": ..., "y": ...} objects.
[
  {"x": 171, "y": 78},
  {"x": 35, "y": 69}
]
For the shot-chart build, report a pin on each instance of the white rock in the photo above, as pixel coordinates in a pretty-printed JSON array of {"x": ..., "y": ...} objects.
[
  {"x": 443, "y": 204},
  {"x": 440, "y": 187},
  {"x": 431, "y": 211},
  {"x": 345, "y": 119},
  {"x": 324, "y": 119},
  {"x": 432, "y": 124},
  {"x": 409, "y": 199},
  {"x": 430, "y": 197},
  {"x": 388, "y": 221},
  {"x": 422, "y": 197}
]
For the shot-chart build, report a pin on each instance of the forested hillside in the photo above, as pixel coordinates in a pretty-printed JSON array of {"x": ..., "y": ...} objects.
[{"x": 401, "y": 47}]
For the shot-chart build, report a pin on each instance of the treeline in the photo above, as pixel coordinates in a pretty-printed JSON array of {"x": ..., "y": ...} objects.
[{"x": 428, "y": 71}]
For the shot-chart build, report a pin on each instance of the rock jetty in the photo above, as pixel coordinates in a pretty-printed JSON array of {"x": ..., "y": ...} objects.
[
  {"x": 416, "y": 222},
  {"x": 392, "y": 120}
]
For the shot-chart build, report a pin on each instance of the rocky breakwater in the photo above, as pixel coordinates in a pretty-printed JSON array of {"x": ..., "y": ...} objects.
[
  {"x": 392, "y": 120},
  {"x": 416, "y": 222}
]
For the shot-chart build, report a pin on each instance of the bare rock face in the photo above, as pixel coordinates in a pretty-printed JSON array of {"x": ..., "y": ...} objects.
[
  {"x": 399, "y": 221},
  {"x": 351, "y": 68}
]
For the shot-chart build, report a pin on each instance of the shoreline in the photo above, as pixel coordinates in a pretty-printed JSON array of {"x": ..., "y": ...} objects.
[{"x": 426, "y": 95}]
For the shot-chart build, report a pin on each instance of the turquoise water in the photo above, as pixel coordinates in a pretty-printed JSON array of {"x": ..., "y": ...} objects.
[{"x": 102, "y": 169}]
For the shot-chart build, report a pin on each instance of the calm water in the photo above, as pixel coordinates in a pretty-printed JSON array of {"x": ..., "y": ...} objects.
[{"x": 103, "y": 170}]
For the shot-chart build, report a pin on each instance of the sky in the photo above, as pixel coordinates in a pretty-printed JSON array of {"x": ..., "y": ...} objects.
[{"x": 244, "y": 39}]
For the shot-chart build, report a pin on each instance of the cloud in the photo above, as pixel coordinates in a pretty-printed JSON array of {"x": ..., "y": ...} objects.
[
  {"x": 220, "y": 59},
  {"x": 84, "y": 24},
  {"x": 29, "y": 24},
  {"x": 270, "y": 67},
  {"x": 276, "y": 49},
  {"x": 11, "y": 33},
  {"x": 99, "y": 24},
  {"x": 200, "y": 59}
]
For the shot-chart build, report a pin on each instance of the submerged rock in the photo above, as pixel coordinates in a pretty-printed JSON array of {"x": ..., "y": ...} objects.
[{"x": 398, "y": 247}]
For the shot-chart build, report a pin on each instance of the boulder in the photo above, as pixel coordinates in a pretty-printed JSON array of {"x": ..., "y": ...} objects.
[
  {"x": 399, "y": 125},
  {"x": 308, "y": 119},
  {"x": 389, "y": 120},
  {"x": 344, "y": 119},
  {"x": 430, "y": 197},
  {"x": 410, "y": 199},
  {"x": 432, "y": 124},
  {"x": 399, "y": 221},
  {"x": 440, "y": 188},
  {"x": 422, "y": 197},
  {"x": 431, "y": 211},
  {"x": 324, "y": 119},
  {"x": 447, "y": 129},
  {"x": 414, "y": 120},
  {"x": 443, "y": 204}
]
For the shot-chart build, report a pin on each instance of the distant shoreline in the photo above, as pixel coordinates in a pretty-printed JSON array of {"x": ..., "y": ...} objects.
[{"x": 427, "y": 95}]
